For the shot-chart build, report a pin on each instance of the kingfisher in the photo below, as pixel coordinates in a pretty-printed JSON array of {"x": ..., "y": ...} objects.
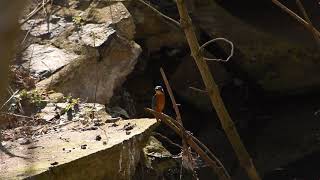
[{"x": 158, "y": 100}]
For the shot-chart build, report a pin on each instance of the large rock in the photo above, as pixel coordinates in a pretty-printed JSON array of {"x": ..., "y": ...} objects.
[
  {"x": 41, "y": 27},
  {"x": 71, "y": 154},
  {"x": 43, "y": 60},
  {"x": 275, "y": 58},
  {"x": 106, "y": 56},
  {"x": 157, "y": 160},
  {"x": 117, "y": 15},
  {"x": 93, "y": 35}
]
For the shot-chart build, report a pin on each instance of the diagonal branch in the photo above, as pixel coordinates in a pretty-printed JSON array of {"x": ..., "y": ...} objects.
[
  {"x": 195, "y": 144},
  {"x": 35, "y": 11},
  {"x": 297, "y": 17},
  {"x": 214, "y": 94},
  {"x": 160, "y": 13},
  {"x": 311, "y": 27}
]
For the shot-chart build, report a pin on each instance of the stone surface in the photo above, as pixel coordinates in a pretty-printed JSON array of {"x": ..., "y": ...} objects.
[
  {"x": 60, "y": 156},
  {"x": 93, "y": 35},
  {"x": 117, "y": 15},
  {"x": 82, "y": 76},
  {"x": 106, "y": 57},
  {"x": 48, "y": 112},
  {"x": 157, "y": 159},
  {"x": 79, "y": 111},
  {"x": 55, "y": 97},
  {"x": 40, "y": 27},
  {"x": 43, "y": 60}
]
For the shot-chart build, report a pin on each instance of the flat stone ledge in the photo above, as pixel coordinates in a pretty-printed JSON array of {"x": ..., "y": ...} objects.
[{"x": 77, "y": 154}]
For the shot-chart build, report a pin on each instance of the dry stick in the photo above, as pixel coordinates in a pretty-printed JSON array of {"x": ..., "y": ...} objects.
[
  {"x": 297, "y": 17},
  {"x": 202, "y": 146},
  {"x": 27, "y": 34},
  {"x": 16, "y": 115},
  {"x": 161, "y": 14},
  {"x": 35, "y": 11},
  {"x": 311, "y": 27},
  {"x": 193, "y": 142},
  {"x": 197, "y": 89},
  {"x": 214, "y": 94},
  {"x": 12, "y": 96},
  {"x": 185, "y": 150},
  {"x": 167, "y": 139},
  {"x": 174, "y": 103}
]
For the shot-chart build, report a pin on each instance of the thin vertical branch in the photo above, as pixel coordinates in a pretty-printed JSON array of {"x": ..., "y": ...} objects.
[
  {"x": 174, "y": 103},
  {"x": 185, "y": 149},
  {"x": 214, "y": 94},
  {"x": 97, "y": 78}
]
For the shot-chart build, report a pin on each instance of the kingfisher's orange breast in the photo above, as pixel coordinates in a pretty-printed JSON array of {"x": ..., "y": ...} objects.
[{"x": 160, "y": 99}]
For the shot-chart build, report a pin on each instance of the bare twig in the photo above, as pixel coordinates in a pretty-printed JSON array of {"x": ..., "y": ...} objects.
[
  {"x": 311, "y": 27},
  {"x": 51, "y": 73},
  {"x": 12, "y": 96},
  {"x": 297, "y": 17},
  {"x": 202, "y": 146},
  {"x": 212, "y": 161},
  {"x": 97, "y": 76},
  {"x": 161, "y": 14},
  {"x": 27, "y": 34},
  {"x": 168, "y": 140},
  {"x": 218, "y": 39},
  {"x": 185, "y": 149},
  {"x": 16, "y": 115},
  {"x": 174, "y": 103},
  {"x": 35, "y": 11},
  {"x": 214, "y": 94},
  {"x": 198, "y": 90}
]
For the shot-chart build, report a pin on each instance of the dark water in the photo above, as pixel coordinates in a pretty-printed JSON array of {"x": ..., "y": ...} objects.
[{"x": 307, "y": 168}]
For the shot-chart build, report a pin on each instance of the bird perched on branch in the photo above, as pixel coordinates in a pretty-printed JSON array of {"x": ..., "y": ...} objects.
[{"x": 158, "y": 100}]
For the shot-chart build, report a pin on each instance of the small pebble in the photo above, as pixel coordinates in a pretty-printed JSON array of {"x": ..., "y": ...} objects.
[
  {"x": 128, "y": 132},
  {"x": 114, "y": 125},
  {"x": 54, "y": 163},
  {"x": 98, "y": 124},
  {"x": 129, "y": 126},
  {"x": 104, "y": 143},
  {"x": 110, "y": 120},
  {"x": 98, "y": 138},
  {"x": 84, "y": 146},
  {"x": 24, "y": 141}
]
